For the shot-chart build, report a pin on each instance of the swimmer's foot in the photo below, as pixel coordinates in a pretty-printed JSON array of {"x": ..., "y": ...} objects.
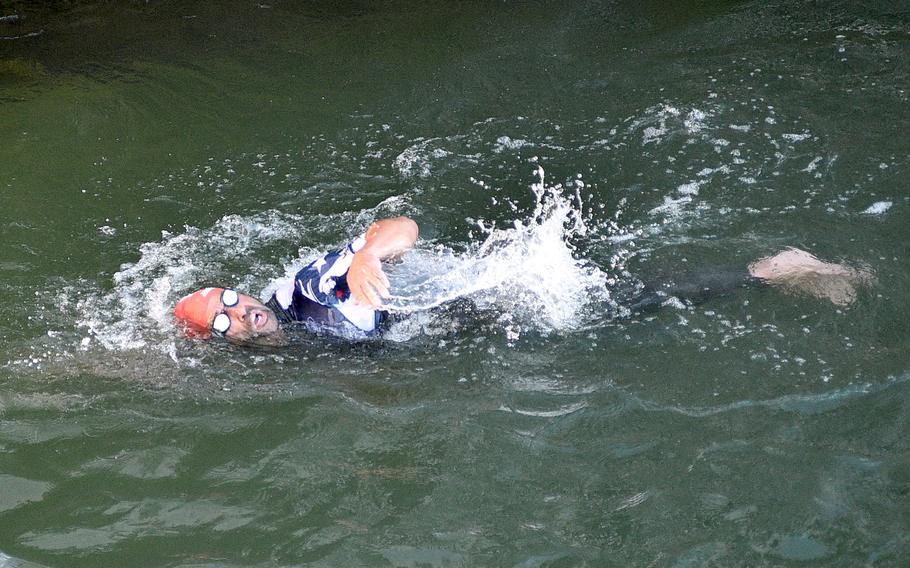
[{"x": 796, "y": 270}]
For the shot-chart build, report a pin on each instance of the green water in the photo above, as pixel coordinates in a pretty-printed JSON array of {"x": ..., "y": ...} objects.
[{"x": 148, "y": 149}]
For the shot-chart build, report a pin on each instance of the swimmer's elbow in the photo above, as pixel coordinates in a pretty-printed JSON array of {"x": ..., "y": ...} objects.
[
  {"x": 404, "y": 228},
  {"x": 392, "y": 236},
  {"x": 410, "y": 229}
]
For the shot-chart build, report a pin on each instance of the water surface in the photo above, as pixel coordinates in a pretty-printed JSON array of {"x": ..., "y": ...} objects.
[{"x": 555, "y": 155}]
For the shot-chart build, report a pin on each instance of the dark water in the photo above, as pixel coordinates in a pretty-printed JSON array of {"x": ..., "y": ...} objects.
[{"x": 152, "y": 148}]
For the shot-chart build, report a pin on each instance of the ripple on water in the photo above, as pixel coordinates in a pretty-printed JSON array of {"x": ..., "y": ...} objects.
[
  {"x": 799, "y": 547},
  {"x": 10, "y": 562},
  {"x": 145, "y": 518},
  {"x": 153, "y": 463},
  {"x": 561, "y": 411},
  {"x": 38, "y": 431},
  {"x": 17, "y": 491},
  {"x": 796, "y": 403}
]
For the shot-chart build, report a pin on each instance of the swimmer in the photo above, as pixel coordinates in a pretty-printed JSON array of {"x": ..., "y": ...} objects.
[{"x": 342, "y": 291}]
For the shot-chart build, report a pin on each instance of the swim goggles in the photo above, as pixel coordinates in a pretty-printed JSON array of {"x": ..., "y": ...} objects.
[{"x": 222, "y": 322}]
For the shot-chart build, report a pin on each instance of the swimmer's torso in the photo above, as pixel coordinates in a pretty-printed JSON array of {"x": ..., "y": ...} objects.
[{"x": 319, "y": 296}]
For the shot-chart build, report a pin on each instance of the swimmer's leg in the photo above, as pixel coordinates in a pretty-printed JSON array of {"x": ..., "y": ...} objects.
[{"x": 694, "y": 288}]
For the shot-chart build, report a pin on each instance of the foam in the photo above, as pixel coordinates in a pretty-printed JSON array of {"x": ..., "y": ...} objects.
[
  {"x": 528, "y": 272},
  {"x": 507, "y": 143},
  {"x": 878, "y": 208},
  {"x": 136, "y": 313}
]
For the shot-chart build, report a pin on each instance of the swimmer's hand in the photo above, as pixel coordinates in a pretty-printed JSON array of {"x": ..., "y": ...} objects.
[
  {"x": 385, "y": 239},
  {"x": 367, "y": 281}
]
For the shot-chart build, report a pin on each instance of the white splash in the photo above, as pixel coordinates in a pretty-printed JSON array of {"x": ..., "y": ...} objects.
[
  {"x": 528, "y": 270},
  {"x": 695, "y": 121},
  {"x": 506, "y": 143},
  {"x": 878, "y": 208},
  {"x": 136, "y": 313},
  {"x": 416, "y": 160}
]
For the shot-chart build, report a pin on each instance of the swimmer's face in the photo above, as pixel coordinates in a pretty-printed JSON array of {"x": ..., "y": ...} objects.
[
  {"x": 226, "y": 313},
  {"x": 250, "y": 322}
]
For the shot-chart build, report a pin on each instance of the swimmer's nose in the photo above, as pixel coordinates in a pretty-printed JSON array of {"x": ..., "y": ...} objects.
[{"x": 237, "y": 313}]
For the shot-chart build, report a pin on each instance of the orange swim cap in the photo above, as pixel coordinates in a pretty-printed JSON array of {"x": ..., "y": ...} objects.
[{"x": 195, "y": 312}]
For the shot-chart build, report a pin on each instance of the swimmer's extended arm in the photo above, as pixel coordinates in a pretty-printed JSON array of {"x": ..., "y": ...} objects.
[{"x": 385, "y": 239}]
